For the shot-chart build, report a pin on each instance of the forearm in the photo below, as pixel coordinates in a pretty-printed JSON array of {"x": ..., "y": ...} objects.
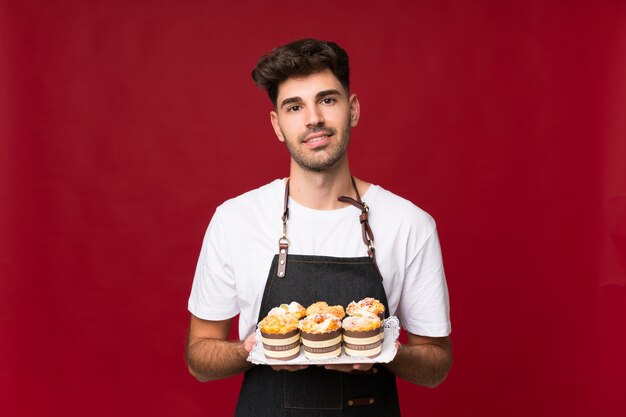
[
  {"x": 423, "y": 364},
  {"x": 210, "y": 359}
]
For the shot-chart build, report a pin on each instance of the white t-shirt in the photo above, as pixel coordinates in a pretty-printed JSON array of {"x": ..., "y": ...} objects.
[{"x": 242, "y": 239}]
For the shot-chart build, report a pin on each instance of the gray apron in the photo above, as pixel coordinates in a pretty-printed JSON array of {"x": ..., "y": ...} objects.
[{"x": 316, "y": 391}]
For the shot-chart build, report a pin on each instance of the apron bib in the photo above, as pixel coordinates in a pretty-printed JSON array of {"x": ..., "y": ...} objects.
[{"x": 316, "y": 391}]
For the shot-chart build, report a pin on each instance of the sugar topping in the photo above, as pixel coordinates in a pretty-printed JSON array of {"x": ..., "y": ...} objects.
[
  {"x": 292, "y": 308},
  {"x": 279, "y": 323},
  {"x": 368, "y": 304},
  {"x": 320, "y": 323},
  {"x": 322, "y": 307},
  {"x": 362, "y": 321}
]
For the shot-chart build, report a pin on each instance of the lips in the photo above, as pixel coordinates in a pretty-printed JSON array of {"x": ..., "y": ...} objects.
[{"x": 317, "y": 137}]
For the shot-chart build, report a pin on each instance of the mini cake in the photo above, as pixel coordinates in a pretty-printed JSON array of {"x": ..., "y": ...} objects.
[
  {"x": 363, "y": 335},
  {"x": 280, "y": 336},
  {"x": 321, "y": 336},
  {"x": 292, "y": 308},
  {"x": 321, "y": 307},
  {"x": 368, "y": 304}
]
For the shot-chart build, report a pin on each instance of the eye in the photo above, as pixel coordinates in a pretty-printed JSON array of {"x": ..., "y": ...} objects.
[
  {"x": 328, "y": 100},
  {"x": 294, "y": 108}
]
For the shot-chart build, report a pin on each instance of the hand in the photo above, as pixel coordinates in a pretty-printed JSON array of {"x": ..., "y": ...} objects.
[
  {"x": 356, "y": 366},
  {"x": 350, "y": 367},
  {"x": 249, "y": 342},
  {"x": 248, "y": 345},
  {"x": 290, "y": 368},
  {"x": 399, "y": 347}
]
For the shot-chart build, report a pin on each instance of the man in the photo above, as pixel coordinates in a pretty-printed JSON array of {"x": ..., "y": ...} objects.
[{"x": 314, "y": 233}]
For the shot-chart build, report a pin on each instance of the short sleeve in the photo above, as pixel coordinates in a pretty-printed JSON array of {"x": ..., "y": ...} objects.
[
  {"x": 424, "y": 307},
  {"x": 213, "y": 293}
]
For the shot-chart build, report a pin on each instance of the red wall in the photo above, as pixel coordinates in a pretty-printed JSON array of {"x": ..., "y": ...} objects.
[{"x": 124, "y": 123}]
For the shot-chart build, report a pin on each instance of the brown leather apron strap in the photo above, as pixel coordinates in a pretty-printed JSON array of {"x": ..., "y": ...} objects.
[
  {"x": 366, "y": 230},
  {"x": 283, "y": 242}
]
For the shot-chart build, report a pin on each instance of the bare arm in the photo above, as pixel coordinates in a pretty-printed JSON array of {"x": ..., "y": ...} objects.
[
  {"x": 210, "y": 355},
  {"x": 423, "y": 361}
]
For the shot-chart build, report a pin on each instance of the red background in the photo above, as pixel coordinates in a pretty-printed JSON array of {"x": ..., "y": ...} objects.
[{"x": 123, "y": 124}]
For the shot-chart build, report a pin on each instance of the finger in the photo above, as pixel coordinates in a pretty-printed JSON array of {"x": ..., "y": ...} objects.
[
  {"x": 342, "y": 368},
  {"x": 363, "y": 366},
  {"x": 290, "y": 368},
  {"x": 294, "y": 368},
  {"x": 249, "y": 342}
]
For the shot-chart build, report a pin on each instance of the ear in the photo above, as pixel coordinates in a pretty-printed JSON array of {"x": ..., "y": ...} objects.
[
  {"x": 355, "y": 110},
  {"x": 276, "y": 126}
]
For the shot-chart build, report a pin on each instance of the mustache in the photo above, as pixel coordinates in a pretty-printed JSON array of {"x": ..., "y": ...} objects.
[{"x": 328, "y": 131}]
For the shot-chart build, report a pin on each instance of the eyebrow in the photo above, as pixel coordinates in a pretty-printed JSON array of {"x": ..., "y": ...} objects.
[{"x": 318, "y": 96}]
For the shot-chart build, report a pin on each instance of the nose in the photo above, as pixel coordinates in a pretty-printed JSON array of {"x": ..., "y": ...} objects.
[{"x": 314, "y": 116}]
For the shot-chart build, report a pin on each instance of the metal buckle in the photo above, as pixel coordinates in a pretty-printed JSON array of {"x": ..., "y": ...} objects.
[{"x": 372, "y": 249}]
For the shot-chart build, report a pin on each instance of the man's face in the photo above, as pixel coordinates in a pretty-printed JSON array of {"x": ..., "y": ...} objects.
[{"x": 313, "y": 117}]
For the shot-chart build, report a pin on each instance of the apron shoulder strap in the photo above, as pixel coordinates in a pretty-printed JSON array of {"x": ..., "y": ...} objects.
[{"x": 366, "y": 230}]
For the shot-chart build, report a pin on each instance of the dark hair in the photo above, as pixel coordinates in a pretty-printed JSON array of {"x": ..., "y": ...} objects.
[{"x": 299, "y": 59}]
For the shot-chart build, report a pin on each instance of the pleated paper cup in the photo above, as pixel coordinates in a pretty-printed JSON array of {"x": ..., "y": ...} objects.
[
  {"x": 322, "y": 345},
  {"x": 281, "y": 346}
]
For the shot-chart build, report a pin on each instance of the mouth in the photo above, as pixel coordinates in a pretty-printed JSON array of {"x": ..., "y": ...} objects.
[{"x": 317, "y": 137}]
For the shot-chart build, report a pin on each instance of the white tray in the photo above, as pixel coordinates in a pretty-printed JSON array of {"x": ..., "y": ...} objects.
[{"x": 388, "y": 350}]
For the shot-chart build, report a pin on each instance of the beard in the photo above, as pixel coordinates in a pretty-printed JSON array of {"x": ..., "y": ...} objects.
[{"x": 322, "y": 159}]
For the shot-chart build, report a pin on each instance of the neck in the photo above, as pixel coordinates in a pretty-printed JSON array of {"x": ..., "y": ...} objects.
[{"x": 320, "y": 190}]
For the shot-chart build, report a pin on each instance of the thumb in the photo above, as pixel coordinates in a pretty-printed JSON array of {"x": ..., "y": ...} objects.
[{"x": 249, "y": 342}]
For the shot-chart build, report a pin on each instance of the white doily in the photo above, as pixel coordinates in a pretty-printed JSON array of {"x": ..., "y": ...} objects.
[{"x": 388, "y": 350}]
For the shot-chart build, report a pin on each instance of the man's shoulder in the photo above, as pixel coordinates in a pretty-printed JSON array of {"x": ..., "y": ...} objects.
[
  {"x": 394, "y": 207},
  {"x": 258, "y": 199}
]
